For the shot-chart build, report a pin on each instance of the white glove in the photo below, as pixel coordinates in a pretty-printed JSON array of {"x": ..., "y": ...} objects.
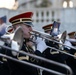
[
  {"x": 7, "y": 37},
  {"x": 10, "y": 36},
  {"x": 2, "y": 43},
  {"x": 15, "y": 46},
  {"x": 67, "y": 43},
  {"x": 41, "y": 45}
]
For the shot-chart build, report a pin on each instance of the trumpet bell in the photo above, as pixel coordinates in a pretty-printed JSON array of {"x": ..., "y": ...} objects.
[
  {"x": 63, "y": 36},
  {"x": 18, "y": 37}
]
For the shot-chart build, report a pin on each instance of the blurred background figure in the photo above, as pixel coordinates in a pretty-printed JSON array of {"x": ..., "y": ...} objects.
[
  {"x": 4, "y": 69},
  {"x": 71, "y": 61},
  {"x": 52, "y": 54},
  {"x": 3, "y": 25},
  {"x": 47, "y": 28}
]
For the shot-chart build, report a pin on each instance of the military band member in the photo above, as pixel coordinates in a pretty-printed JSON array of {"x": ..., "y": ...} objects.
[
  {"x": 24, "y": 20},
  {"x": 71, "y": 61},
  {"x": 4, "y": 69},
  {"x": 51, "y": 53},
  {"x": 3, "y": 26}
]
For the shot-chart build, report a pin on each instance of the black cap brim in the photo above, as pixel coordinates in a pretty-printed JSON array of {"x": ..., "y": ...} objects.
[{"x": 28, "y": 23}]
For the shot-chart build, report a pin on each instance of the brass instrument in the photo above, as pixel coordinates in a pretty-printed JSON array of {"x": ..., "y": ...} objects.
[
  {"x": 50, "y": 38},
  {"x": 18, "y": 33}
]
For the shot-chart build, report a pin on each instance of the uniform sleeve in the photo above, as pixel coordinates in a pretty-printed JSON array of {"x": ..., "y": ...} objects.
[{"x": 39, "y": 53}]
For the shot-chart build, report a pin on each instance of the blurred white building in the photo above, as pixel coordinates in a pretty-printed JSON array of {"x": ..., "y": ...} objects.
[{"x": 45, "y": 12}]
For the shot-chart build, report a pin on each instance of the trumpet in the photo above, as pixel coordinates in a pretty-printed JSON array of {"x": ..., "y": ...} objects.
[{"x": 50, "y": 38}]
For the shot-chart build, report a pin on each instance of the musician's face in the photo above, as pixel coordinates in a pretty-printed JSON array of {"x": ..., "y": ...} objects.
[{"x": 26, "y": 31}]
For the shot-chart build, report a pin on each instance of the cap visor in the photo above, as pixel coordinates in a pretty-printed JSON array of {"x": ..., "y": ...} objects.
[{"x": 29, "y": 23}]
